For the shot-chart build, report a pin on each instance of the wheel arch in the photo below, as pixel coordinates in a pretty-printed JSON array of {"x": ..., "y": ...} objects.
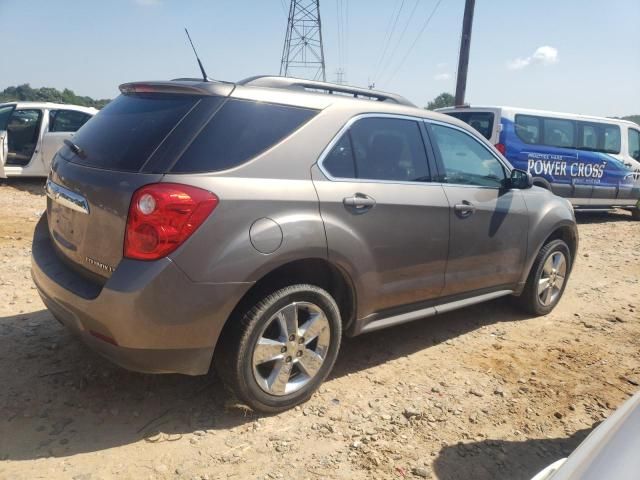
[{"x": 315, "y": 271}]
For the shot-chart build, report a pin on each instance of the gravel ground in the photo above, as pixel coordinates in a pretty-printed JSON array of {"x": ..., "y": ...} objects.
[{"x": 484, "y": 393}]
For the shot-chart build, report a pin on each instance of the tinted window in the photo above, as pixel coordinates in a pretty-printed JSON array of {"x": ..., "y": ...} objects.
[
  {"x": 340, "y": 162},
  {"x": 238, "y": 132},
  {"x": 66, "y": 120},
  {"x": 528, "y": 128},
  {"x": 634, "y": 144},
  {"x": 5, "y": 113},
  {"x": 125, "y": 133},
  {"x": 466, "y": 161},
  {"x": 388, "y": 149},
  {"x": 558, "y": 132},
  {"x": 598, "y": 137},
  {"x": 481, "y": 121}
]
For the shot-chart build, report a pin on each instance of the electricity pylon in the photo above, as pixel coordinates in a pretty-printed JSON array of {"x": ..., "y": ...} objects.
[{"x": 303, "y": 53}]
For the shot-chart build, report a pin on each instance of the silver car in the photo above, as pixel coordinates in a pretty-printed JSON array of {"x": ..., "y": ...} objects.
[{"x": 253, "y": 224}]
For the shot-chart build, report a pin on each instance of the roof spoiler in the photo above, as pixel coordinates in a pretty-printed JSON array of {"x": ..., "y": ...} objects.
[
  {"x": 178, "y": 87},
  {"x": 323, "y": 87}
]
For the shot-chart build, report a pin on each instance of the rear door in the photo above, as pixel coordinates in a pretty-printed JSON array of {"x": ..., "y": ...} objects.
[
  {"x": 386, "y": 224},
  {"x": 5, "y": 114},
  {"x": 486, "y": 121},
  {"x": 62, "y": 125},
  {"x": 489, "y": 223}
]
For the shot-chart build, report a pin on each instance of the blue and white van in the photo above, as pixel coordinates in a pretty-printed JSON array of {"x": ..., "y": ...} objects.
[{"x": 592, "y": 161}]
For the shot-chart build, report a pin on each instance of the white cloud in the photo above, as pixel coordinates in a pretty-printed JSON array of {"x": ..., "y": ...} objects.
[
  {"x": 147, "y": 3},
  {"x": 544, "y": 55},
  {"x": 442, "y": 76}
]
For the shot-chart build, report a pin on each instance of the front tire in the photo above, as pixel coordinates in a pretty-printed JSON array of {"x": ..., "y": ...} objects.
[
  {"x": 282, "y": 348},
  {"x": 547, "y": 279}
]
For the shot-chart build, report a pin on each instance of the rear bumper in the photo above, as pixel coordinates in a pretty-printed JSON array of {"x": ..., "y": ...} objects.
[{"x": 159, "y": 320}]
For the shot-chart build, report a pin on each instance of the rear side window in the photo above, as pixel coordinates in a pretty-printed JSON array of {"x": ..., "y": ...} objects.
[
  {"x": 239, "y": 131},
  {"x": 125, "y": 133},
  {"x": 481, "y": 121},
  {"x": 67, "y": 120},
  {"x": 528, "y": 128},
  {"x": 558, "y": 132},
  {"x": 380, "y": 149}
]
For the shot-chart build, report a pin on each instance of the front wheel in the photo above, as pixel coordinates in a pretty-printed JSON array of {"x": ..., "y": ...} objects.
[
  {"x": 547, "y": 279},
  {"x": 282, "y": 348}
]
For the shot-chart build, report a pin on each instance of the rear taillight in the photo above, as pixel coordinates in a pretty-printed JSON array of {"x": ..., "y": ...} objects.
[
  {"x": 501, "y": 148},
  {"x": 162, "y": 216}
]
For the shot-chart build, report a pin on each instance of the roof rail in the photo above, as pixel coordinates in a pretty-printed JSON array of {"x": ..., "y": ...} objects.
[{"x": 323, "y": 87}]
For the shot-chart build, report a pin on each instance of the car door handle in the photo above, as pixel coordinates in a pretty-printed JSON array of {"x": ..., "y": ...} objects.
[
  {"x": 359, "y": 202},
  {"x": 464, "y": 209}
]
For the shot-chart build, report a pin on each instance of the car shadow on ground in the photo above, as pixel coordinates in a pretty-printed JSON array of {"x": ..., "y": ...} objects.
[
  {"x": 34, "y": 186},
  {"x": 488, "y": 459},
  {"x": 585, "y": 218},
  {"x": 59, "y": 398}
]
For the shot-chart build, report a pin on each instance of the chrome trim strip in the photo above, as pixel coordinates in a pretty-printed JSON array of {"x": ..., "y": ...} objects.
[
  {"x": 66, "y": 197},
  {"x": 430, "y": 311}
]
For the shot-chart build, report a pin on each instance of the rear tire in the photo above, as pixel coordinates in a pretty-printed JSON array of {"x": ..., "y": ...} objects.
[
  {"x": 280, "y": 350},
  {"x": 547, "y": 279}
]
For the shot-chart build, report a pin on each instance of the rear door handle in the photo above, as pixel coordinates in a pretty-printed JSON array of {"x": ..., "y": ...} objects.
[
  {"x": 359, "y": 202},
  {"x": 464, "y": 209}
]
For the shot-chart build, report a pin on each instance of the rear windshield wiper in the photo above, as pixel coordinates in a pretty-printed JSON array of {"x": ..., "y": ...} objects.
[{"x": 75, "y": 148}]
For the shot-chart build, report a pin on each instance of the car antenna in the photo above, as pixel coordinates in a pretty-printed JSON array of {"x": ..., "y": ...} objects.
[{"x": 204, "y": 74}]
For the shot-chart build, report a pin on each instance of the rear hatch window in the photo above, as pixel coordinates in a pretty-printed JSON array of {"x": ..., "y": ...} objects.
[
  {"x": 124, "y": 134},
  {"x": 481, "y": 121},
  {"x": 239, "y": 131}
]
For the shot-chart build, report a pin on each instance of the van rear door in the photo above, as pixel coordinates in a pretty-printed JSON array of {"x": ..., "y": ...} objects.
[{"x": 484, "y": 120}]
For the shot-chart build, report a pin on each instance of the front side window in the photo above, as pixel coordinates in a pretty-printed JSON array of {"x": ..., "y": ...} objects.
[
  {"x": 66, "y": 120},
  {"x": 558, "y": 132},
  {"x": 634, "y": 144},
  {"x": 465, "y": 160},
  {"x": 611, "y": 141},
  {"x": 388, "y": 149}
]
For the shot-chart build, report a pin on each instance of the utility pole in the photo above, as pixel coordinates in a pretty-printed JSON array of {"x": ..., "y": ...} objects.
[
  {"x": 303, "y": 52},
  {"x": 465, "y": 45}
]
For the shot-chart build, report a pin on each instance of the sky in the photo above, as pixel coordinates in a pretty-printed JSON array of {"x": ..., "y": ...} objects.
[{"x": 580, "y": 56}]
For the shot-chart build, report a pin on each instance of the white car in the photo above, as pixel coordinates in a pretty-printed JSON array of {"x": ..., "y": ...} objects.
[
  {"x": 32, "y": 132},
  {"x": 611, "y": 451}
]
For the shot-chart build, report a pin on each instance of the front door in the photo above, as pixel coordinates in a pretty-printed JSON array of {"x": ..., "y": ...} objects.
[
  {"x": 489, "y": 223},
  {"x": 386, "y": 225},
  {"x": 23, "y": 136},
  {"x": 5, "y": 114}
]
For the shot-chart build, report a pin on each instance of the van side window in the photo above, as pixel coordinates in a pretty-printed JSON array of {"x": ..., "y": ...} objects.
[
  {"x": 66, "y": 120},
  {"x": 611, "y": 142},
  {"x": 466, "y": 161},
  {"x": 558, "y": 132},
  {"x": 634, "y": 144},
  {"x": 388, "y": 149},
  {"x": 528, "y": 128},
  {"x": 598, "y": 137}
]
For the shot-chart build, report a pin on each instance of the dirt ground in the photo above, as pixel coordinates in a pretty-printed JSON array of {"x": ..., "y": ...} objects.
[{"x": 483, "y": 393}]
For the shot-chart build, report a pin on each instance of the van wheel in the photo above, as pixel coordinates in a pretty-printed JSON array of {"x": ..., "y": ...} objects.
[
  {"x": 282, "y": 348},
  {"x": 547, "y": 279}
]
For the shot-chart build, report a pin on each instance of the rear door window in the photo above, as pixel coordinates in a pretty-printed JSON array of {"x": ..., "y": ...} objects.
[
  {"x": 388, "y": 149},
  {"x": 67, "y": 120},
  {"x": 125, "y": 133},
  {"x": 241, "y": 130},
  {"x": 634, "y": 144},
  {"x": 481, "y": 121}
]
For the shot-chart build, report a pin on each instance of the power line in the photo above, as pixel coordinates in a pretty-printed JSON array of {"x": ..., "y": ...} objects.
[
  {"x": 388, "y": 39},
  {"x": 424, "y": 27},
  {"x": 395, "y": 48}
]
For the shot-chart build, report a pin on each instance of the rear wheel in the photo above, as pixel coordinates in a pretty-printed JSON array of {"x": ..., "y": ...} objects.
[
  {"x": 547, "y": 279},
  {"x": 282, "y": 348}
]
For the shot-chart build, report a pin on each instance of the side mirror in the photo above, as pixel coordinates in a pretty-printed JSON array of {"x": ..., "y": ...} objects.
[{"x": 520, "y": 179}]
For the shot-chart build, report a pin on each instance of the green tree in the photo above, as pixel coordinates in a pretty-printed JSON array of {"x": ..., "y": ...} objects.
[
  {"x": 443, "y": 100},
  {"x": 25, "y": 93}
]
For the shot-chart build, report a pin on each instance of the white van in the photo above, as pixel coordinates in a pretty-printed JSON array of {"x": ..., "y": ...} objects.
[
  {"x": 32, "y": 132},
  {"x": 592, "y": 161}
]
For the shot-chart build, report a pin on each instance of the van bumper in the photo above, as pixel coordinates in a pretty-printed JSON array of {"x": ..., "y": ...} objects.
[{"x": 148, "y": 316}]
